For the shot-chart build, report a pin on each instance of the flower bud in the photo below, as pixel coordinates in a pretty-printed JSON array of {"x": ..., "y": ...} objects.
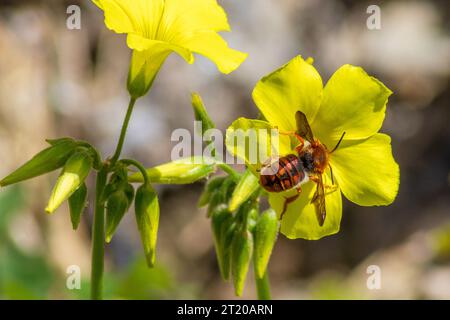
[
  {"x": 221, "y": 219},
  {"x": 241, "y": 255},
  {"x": 211, "y": 186},
  {"x": 227, "y": 235},
  {"x": 265, "y": 234},
  {"x": 227, "y": 189},
  {"x": 201, "y": 114},
  {"x": 45, "y": 161},
  {"x": 129, "y": 192},
  {"x": 183, "y": 171},
  {"x": 71, "y": 178},
  {"x": 252, "y": 218},
  {"x": 247, "y": 185},
  {"x": 147, "y": 218},
  {"x": 215, "y": 201},
  {"x": 77, "y": 204},
  {"x": 116, "y": 207}
]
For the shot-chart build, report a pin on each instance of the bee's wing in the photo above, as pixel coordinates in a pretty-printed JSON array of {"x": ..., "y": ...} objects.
[
  {"x": 303, "y": 128},
  {"x": 319, "y": 201}
]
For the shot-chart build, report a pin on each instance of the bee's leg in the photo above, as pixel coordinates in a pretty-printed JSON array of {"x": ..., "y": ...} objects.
[
  {"x": 297, "y": 136},
  {"x": 330, "y": 188},
  {"x": 289, "y": 200}
]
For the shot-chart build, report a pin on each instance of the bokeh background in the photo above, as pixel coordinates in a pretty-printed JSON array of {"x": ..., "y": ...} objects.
[{"x": 58, "y": 82}]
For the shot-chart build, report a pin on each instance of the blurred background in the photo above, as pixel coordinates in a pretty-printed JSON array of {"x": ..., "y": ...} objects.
[{"x": 58, "y": 82}]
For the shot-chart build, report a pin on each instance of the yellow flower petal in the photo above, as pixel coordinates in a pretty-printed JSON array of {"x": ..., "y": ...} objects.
[
  {"x": 192, "y": 15},
  {"x": 140, "y": 43},
  {"x": 352, "y": 102},
  {"x": 193, "y": 24},
  {"x": 212, "y": 46},
  {"x": 137, "y": 16},
  {"x": 250, "y": 140},
  {"x": 295, "y": 86},
  {"x": 300, "y": 221},
  {"x": 366, "y": 170}
]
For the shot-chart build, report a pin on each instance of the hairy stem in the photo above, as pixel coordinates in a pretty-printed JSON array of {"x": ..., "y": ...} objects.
[
  {"x": 139, "y": 166},
  {"x": 263, "y": 286},
  {"x": 98, "y": 236},
  {"x": 98, "y": 228},
  {"x": 123, "y": 132}
]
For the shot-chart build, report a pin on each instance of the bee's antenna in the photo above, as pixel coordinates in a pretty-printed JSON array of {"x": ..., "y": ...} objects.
[{"x": 339, "y": 142}]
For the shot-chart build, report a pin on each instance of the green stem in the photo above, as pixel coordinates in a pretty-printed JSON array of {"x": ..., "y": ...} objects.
[
  {"x": 263, "y": 286},
  {"x": 123, "y": 132},
  {"x": 98, "y": 249},
  {"x": 139, "y": 166},
  {"x": 229, "y": 170},
  {"x": 98, "y": 228}
]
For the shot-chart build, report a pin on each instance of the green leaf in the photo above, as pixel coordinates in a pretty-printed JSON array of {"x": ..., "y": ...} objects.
[
  {"x": 265, "y": 234},
  {"x": 47, "y": 160},
  {"x": 116, "y": 207},
  {"x": 246, "y": 187},
  {"x": 201, "y": 114},
  {"x": 241, "y": 255},
  {"x": 183, "y": 171},
  {"x": 77, "y": 204},
  {"x": 71, "y": 178},
  {"x": 147, "y": 218}
]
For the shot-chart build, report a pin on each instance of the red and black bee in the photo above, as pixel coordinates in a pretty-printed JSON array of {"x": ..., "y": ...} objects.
[{"x": 291, "y": 171}]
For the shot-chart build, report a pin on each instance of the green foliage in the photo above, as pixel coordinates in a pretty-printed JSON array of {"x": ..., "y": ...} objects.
[
  {"x": 266, "y": 231},
  {"x": 77, "y": 204},
  {"x": 147, "y": 218},
  {"x": 248, "y": 184},
  {"x": 47, "y": 160},
  {"x": 201, "y": 114},
  {"x": 241, "y": 256},
  {"x": 75, "y": 171},
  {"x": 183, "y": 171}
]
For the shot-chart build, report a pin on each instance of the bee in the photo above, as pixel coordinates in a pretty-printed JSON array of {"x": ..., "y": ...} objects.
[{"x": 291, "y": 171}]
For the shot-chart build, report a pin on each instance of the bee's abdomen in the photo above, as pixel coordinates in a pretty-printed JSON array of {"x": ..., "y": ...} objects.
[{"x": 290, "y": 173}]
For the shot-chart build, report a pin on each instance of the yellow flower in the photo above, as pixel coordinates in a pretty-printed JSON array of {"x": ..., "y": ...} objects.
[
  {"x": 156, "y": 28},
  {"x": 363, "y": 166}
]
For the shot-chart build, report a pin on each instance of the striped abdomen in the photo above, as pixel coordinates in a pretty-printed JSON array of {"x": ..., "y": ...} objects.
[{"x": 290, "y": 173}]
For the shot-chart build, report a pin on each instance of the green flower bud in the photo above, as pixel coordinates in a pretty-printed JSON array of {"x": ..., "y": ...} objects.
[
  {"x": 211, "y": 186},
  {"x": 252, "y": 218},
  {"x": 77, "y": 204},
  {"x": 129, "y": 192},
  {"x": 241, "y": 255},
  {"x": 71, "y": 178},
  {"x": 216, "y": 200},
  {"x": 147, "y": 218},
  {"x": 53, "y": 142},
  {"x": 265, "y": 234},
  {"x": 221, "y": 219},
  {"x": 227, "y": 235},
  {"x": 201, "y": 114},
  {"x": 183, "y": 171},
  {"x": 246, "y": 187},
  {"x": 116, "y": 207},
  {"x": 142, "y": 72},
  {"x": 227, "y": 189},
  {"x": 47, "y": 160},
  {"x": 214, "y": 184}
]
